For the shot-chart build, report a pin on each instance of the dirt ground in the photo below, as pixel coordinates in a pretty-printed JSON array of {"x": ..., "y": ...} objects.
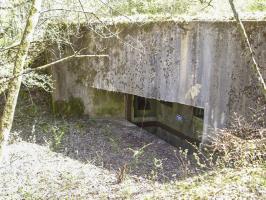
[{"x": 82, "y": 158}]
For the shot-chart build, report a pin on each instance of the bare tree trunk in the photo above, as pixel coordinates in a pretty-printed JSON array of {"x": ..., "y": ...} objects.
[
  {"x": 255, "y": 65},
  {"x": 14, "y": 84}
]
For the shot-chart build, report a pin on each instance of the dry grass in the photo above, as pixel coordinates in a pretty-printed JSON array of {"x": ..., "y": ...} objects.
[{"x": 242, "y": 144}]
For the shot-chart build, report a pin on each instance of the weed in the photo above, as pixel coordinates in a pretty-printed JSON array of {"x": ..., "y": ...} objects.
[
  {"x": 121, "y": 174},
  {"x": 157, "y": 169},
  {"x": 57, "y": 133},
  {"x": 135, "y": 160}
]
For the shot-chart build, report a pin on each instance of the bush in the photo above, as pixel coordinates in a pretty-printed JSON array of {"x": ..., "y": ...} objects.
[{"x": 243, "y": 144}]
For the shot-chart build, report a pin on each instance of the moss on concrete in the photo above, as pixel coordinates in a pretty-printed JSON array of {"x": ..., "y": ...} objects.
[
  {"x": 108, "y": 104},
  {"x": 148, "y": 27},
  {"x": 73, "y": 107},
  {"x": 197, "y": 127}
]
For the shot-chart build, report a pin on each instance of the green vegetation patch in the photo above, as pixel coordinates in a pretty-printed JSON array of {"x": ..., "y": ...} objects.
[
  {"x": 73, "y": 107},
  {"x": 259, "y": 5},
  {"x": 108, "y": 104}
]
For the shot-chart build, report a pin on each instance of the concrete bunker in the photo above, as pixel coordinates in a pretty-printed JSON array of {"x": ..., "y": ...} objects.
[{"x": 194, "y": 76}]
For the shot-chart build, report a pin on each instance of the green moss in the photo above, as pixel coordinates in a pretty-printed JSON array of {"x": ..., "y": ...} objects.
[
  {"x": 72, "y": 107},
  {"x": 108, "y": 104},
  {"x": 124, "y": 29},
  {"x": 197, "y": 127},
  {"x": 148, "y": 26}
]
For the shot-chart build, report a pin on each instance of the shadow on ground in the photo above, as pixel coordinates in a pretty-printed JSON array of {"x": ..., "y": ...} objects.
[{"x": 111, "y": 144}]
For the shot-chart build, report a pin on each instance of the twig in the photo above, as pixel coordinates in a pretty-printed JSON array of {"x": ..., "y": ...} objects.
[
  {"x": 116, "y": 11},
  {"x": 255, "y": 65},
  {"x": 53, "y": 63},
  {"x": 16, "y": 45},
  {"x": 110, "y": 32},
  {"x": 67, "y": 10},
  {"x": 9, "y": 47}
]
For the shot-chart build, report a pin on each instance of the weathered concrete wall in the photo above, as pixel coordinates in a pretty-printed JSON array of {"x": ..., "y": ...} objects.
[
  {"x": 167, "y": 115},
  {"x": 202, "y": 64}
]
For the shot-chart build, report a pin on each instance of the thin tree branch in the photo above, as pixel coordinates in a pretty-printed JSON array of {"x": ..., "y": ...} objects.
[
  {"x": 255, "y": 65},
  {"x": 67, "y": 10},
  {"x": 51, "y": 64},
  {"x": 16, "y": 45},
  {"x": 116, "y": 11},
  {"x": 94, "y": 15},
  {"x": 13, "y": 46},
  {"x": 62, "y": 60},
  {"x": 110, "y": 32}
]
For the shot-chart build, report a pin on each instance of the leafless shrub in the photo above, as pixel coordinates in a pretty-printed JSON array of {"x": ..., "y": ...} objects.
[
  {"x": 242, "y": 144},
  {"x": 121, "y": 174}
]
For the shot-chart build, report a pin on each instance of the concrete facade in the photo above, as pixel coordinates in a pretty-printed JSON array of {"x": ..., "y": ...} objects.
[{"x": 197, "y": 63}]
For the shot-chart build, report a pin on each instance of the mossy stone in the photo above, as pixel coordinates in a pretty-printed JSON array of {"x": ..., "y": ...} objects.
[{"x": 73, "y": 107}]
